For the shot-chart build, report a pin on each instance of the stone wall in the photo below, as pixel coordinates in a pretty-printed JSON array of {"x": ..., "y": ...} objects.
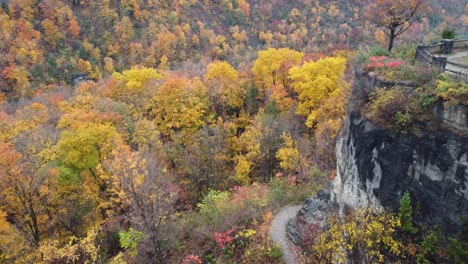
[{"x": 453, "y": 115}]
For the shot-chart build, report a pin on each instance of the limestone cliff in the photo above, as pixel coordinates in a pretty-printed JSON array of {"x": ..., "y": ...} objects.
[{"x": 375, "y": 166}]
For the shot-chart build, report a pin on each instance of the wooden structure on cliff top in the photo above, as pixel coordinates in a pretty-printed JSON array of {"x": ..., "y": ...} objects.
[{"x": 448, "y": 55}]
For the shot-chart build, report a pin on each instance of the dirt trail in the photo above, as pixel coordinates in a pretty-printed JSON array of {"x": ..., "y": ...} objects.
[{"x": 278, "y": 231}]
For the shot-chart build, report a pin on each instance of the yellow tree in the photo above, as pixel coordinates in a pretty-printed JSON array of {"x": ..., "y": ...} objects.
[
  {"x": 77, "y": 250},
  {"x": 53, "y": 34},
  {"x": 136, "y": 77},
  {"x": 18, "y": 77},
  {"x": 224, "y": 87},
  {"x": 23, "y": 192},
  {"x": 289, "y": 155},
  {"x": 365, "y": 234},
  {"x": 109, "y": 65},
  {"x": 395, "y": 16},
  {"x": 316, "y": 81},
  {"x": 13, "y": 247},
  {"x": 243, "y": 169},
  {"x": 179, "y": 104},
  {"x": 329, "y": 117},
  {"x": 132, "y": 86},
  {"x": 269, "y": 65},
  {"x": 87, "y": 146},
  {"x": 80, "y": 154}
]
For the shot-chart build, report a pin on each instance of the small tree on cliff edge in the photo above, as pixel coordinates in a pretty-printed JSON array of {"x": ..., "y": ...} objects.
[
  {"x": 395, "y": 16},
  {"x": 405, "y": 215}
]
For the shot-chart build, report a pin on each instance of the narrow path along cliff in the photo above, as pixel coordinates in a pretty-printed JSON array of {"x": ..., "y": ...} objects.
[{"x": 278, "y": 231}]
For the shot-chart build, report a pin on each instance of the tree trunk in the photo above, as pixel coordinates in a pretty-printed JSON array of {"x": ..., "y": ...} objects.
[{"x": 391, "y": 39}]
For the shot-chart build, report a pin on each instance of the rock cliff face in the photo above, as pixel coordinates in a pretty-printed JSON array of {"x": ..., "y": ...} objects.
[{"x": 375, "y": 166}]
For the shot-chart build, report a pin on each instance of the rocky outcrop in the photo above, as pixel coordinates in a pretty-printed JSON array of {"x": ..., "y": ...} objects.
[
  {"x": 310, "y": 219},
  {"x": 375, "y": 166},
  {"x": 453, "y": 115}
]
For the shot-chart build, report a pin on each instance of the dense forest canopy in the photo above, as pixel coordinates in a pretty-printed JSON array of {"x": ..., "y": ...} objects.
[
  {"x": 198, "y": 119},
  {"x": 44, "y": 42}
]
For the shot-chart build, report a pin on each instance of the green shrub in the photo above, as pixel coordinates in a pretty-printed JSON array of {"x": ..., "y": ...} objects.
[
  {"x": 377, "y": 50},
  {"x": 362, "y": 58},
  {"x": 406, "y": 52},
  {"x": 403, "y": 120},
  {"x": 448, "y": 33},
  {"x": 364, "y": 55},
  {"x": 429, "y": 244},
  {"x": 426, "y": 99},
  {"x": 452, "y": 90},
  {"x": 458, "y": 250},
  {"x": 419, "y": 73},
  {"x": 130, "y": 239},
  {"x": 212, "y": 207},
  {"x": 428, "y": 248},
  {"x": 423, "y": 74},
  {"x": 396, "y": 108}
]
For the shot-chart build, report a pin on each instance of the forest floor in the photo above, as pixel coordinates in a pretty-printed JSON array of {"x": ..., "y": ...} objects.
[{"x": 278, "y": 231}]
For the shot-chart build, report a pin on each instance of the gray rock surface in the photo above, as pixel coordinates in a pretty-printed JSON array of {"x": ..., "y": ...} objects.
[
  {"x": 310, "y": 218},
  {"x": 454, "y": 115},
  {"x": 376, "y": 166}
]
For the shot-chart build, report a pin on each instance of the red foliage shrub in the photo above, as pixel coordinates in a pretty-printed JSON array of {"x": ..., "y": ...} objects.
[{"x": 226, "y": 238}]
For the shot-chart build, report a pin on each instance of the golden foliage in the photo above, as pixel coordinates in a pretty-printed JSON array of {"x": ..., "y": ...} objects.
[
  {"x": 135, "y": 78},
  {"x": 76, "y": 250},
  {"x": 224, "y": 86},
  {"x": 179, "y": 104},
  {"x": 316, "y": 81},
  {"x": 268, "y": 65},
  {"x": 288, "y": 155},
  {"x": 364, "y": 232},
  {"x": 243, "y": 168}
]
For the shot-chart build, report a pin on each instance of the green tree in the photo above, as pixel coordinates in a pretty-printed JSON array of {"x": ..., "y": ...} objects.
[
  {"x": 87, "y": 146},
  {"x": 130, "y": 239},
  {"x": 405, "y": 215}
]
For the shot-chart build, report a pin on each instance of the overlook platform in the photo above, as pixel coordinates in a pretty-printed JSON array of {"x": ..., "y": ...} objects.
[
  {"x": 448, "y": 55},
  {"x": 458, "y": 58}
]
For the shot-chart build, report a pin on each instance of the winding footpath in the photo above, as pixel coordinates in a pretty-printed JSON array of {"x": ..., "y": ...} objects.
[{"x": 278, "y": 231}]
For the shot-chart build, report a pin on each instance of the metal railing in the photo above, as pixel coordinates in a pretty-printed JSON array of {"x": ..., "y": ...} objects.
[{"x": 433, "y": 55}]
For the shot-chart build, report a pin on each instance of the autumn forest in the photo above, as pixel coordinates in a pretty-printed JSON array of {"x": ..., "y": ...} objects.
[{"x": 196, "y": 121}]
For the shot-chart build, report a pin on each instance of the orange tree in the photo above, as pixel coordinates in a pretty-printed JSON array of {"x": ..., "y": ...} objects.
[{"x": 395, "y": 16}]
